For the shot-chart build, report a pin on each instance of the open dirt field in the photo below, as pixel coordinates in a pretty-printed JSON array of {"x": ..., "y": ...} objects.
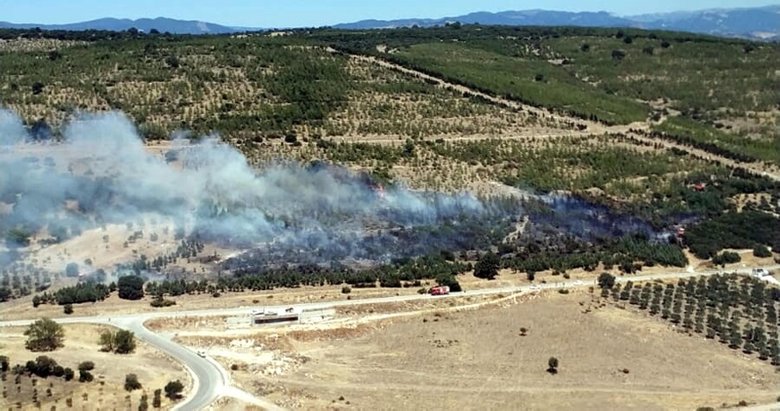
[
  {"x": 107, "y": 392},
  {"x": 478, "y": 360}
]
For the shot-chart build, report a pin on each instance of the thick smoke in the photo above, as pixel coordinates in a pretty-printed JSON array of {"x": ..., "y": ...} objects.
[{"x": 103, "y": 173}]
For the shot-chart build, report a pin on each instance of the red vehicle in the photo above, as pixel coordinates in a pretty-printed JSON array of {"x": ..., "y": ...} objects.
[{"x": 440, "y": 290}]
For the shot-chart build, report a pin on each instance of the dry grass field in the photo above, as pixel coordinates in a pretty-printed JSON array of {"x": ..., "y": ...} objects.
[
  {"x": 106, "y": 392},
  {"x": 610, "y": 358}
]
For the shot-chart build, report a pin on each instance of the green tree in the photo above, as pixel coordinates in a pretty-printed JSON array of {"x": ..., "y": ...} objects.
[
  {"x": 124, "y": 342},
  {"x": 44, "y": 335},
  {"x": 606, "y": 280},
  {"x": 4, "y": 363},
  {"x": 106, "y": 341},
  {"x": 174, "y": 389},
  {"x": 487, "y": 266},
  {"x": 131, "y": 287}
]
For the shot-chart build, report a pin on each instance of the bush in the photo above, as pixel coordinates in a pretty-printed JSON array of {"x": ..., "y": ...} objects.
[
  {"x": 121, "y": 342},
  {"x": 606, "y": 280},
  {"x": 68, "y": 374},
  {"x": 157, "y": 399},
  {"x": 761, "y": 251},
  {"x": 159, "y": 301},
  {"x": 726, "y": 257},
  {"x": 43, "y": 366},
  {"x": 132, "y": 383},
  {"x": 618, "y": 55},
  {"x": 346, "y": 289},
  {"x": 124, "y": 342},
  {"x": 173, "y": 389},
  {"x": 68, "y": 309},
  {"x": 37, "y": 88},
  {"x": 552, "y": 365},
  {"x": 106, "y": 341},
  {"x": 87, "y": 366},
  {"x": 84, "y": 371}
]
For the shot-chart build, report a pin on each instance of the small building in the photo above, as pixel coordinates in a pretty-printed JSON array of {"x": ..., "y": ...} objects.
[{"x": 274, "y": 316}]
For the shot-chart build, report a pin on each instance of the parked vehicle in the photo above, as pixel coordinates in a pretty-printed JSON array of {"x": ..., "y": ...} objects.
[{"x": 440, "y": 290}]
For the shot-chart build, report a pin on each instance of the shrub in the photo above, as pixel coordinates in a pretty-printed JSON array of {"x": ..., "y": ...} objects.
[
  {"x": 68, "y": 374},
  {"x": 124, "y": 342},
  {"x": 761, "y": 251},
  {"x": 346, "y": 289},
  {"x": 173, "y": 389},
  {"x": 84, "y": 371},
  {"x": 606, "y": 280},
  {"x": 37, "y": 88},
  {"x": 68, "y": 309},
  {"x": 552, "y": 365},
  {"x": 157, "y": 399},
  {"x": 106, "y": 341},
  {"x": 131, "y": 382},
  {"x": 726, "y": 257}
]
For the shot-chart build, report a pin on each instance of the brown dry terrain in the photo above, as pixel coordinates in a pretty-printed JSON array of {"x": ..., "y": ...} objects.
[
  {"x": 479, "y": 360},
  {"x": 107, "y": 391}
]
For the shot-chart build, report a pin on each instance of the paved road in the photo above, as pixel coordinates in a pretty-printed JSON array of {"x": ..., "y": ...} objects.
[{"x": 211, "y": 380}]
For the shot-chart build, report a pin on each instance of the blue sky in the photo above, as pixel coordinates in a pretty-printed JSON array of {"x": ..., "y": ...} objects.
[{"x": 286, "y": 13}]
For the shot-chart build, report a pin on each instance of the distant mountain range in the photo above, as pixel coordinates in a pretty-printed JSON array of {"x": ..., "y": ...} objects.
[
  {"x": 160, "y": 24},
  {"x": 756, "y": 23}
]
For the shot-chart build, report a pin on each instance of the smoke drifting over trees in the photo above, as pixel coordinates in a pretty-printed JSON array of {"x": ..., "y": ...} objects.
[
  {"x": 316, "y": 213},
  {"x": 102, "y": 173}
]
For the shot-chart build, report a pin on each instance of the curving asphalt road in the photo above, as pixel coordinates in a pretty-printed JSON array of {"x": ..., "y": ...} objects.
[{"x": 211, "y": 380}]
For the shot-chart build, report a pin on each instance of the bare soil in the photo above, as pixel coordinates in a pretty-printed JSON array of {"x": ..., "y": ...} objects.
[{"x": 609, "y": 359}]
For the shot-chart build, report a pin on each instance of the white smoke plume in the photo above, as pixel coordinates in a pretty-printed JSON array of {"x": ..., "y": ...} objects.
[{"x": 102, "y": 173}]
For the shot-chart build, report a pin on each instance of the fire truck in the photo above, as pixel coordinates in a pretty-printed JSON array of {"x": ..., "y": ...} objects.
[{"x": 440, "y": 290}]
